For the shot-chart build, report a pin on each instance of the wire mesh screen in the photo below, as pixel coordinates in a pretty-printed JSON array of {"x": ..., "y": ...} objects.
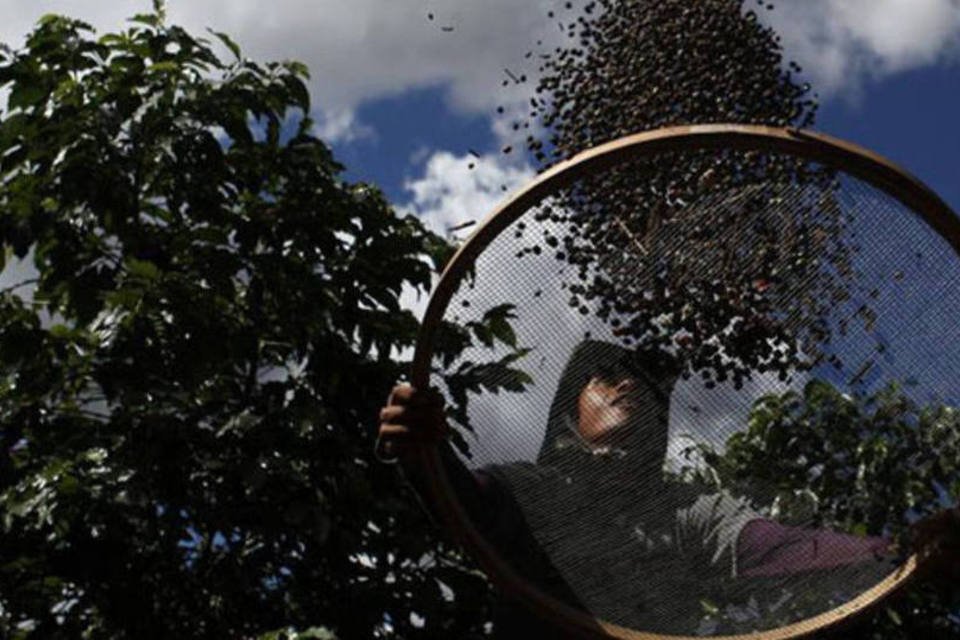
[{"x": 690, "y": 380}]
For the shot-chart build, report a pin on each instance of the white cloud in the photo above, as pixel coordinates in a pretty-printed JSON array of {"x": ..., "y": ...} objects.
[
  {"x": 843, "y": 43},
  {"x": 342, "y": 126},
  {"x": 357, "y": 50},
  {"x": 370, "y": 49},
  {"x": 450, "y": 193}
]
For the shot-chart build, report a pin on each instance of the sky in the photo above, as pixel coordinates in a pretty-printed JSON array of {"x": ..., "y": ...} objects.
[
  {"x": 406, "y": 91},
  {"x": 399, "y": 94}
]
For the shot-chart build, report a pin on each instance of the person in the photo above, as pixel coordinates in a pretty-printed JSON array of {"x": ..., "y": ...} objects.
[{"x": 595, "y": 523}]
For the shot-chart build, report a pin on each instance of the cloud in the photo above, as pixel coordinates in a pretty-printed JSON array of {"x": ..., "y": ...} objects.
[
  {"x": 450, "y": 193},
  {"x": 356, "y": 51},
  {"x": 365, "y": 50},
  {"x": 342, "y": 126},
  {"x": 842, "y": 44}
]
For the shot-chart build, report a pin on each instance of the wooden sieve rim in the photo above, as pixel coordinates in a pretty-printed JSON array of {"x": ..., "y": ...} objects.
[{"x": 817, "y": 147}]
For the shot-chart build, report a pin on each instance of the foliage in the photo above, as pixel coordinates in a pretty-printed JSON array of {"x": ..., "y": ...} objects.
[
  {"x": 863, "y": 465},
  {"x": 314, "y": 633},
  {"x": 187, "y": 450},
  {"x": 452, "y": 344}
]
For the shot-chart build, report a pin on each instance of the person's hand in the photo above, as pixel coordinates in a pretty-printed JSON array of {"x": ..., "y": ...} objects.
[
  {"x": 936, "y": 540},
  {"x": 412, "y": 418}
]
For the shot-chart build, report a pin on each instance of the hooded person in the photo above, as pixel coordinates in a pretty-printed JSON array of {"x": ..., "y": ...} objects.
[
  {"x": 595, "y": 523},
  {"x": 626, "y": 544}
]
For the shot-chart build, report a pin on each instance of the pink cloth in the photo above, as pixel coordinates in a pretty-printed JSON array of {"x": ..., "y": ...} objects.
[{"x": 766, "y": 548}]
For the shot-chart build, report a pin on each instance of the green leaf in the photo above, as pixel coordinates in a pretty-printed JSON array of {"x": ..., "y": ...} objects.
[
  {"x": 313, "y": 633},
  {"x": 142, "y": 269},
  {"x": 894, "y": 617},
  {"x": 709, "y": 607},
  {"x": 167, "y": 66},
  {"x": 60, "y": 331},
  {"x": 148, "y": 19},
  {"x": 49, "y": 18},
  {"x": 482, "y": 333},
  {"x": 299, "y": 92},
  {"x": 111, "y": 39},
  {"x": 502, "y": 330},
  {"x": 25, "y": 94},
  {"x": 298, "y": 68},
  {"x": 227, "y": 42}
]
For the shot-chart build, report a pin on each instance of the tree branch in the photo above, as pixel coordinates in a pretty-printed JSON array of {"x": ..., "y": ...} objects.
[{"x": 19, "y": 284}]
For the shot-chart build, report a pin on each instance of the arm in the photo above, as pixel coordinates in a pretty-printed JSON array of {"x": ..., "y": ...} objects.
[
  {"x": 766, "y": 548},
  {"x": 414, "y": 419},
  {"x": 733, "y": 534},
  {"x": 478, "y": 493}
]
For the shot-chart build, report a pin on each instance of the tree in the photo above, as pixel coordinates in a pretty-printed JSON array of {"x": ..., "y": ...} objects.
[
  {"x": 856, "y": 464},
  {"x": 187, "y": 452}
]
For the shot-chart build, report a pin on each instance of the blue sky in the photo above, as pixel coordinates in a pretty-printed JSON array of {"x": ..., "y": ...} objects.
[
  {"x": 909, "y": 117},
  {"x": 407, "y": 127}
]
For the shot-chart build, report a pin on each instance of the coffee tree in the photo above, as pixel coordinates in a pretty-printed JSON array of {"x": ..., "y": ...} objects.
[
  {"x": 866, "y": 465},
  {"x": 186, "y": 448}
]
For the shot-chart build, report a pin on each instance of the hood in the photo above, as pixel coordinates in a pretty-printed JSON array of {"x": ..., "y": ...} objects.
[
  {"x": 591, "y": 357},
  {"x": 580, "y": 504}
]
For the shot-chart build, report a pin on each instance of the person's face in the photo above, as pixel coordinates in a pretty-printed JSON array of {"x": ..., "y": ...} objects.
[{"x": 608, "y": 404}]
